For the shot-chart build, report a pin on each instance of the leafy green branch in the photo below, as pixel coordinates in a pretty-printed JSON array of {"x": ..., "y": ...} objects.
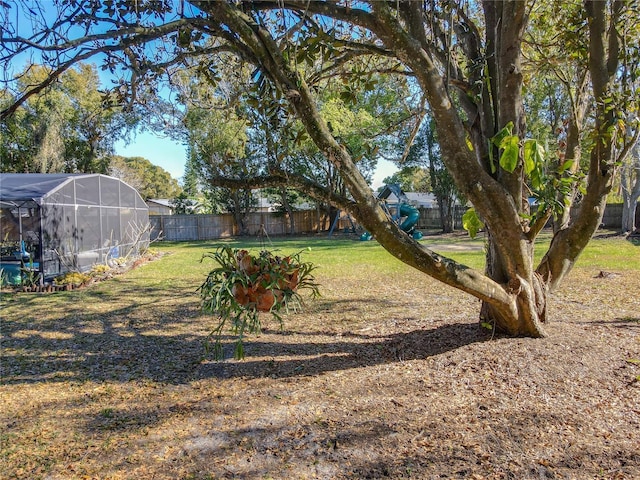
[{"x": 549, "y": 187}]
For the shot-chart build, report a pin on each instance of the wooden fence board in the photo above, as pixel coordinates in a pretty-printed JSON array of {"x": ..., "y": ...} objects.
[{"x": 178, "y": 228}]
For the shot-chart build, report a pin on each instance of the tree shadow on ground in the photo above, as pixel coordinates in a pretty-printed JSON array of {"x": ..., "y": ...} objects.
[
  {"x": 163, "y": 339},
  {"x": 272, "y": 447},
  {"x": 285, "y": 359},
  {"x": 620, "y": 322}
]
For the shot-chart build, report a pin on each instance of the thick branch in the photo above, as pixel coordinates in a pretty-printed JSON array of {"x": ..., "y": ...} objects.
[
  {"x": 313, "y": 189},
  {"x": 345, "y": 13},
  {"x": 568, "y": 243}
]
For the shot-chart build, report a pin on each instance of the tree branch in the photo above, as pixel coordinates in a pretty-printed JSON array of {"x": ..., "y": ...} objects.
[
  {"x": 50, "y": 79},
  {"x": 356, "y": 16},
  {"x": 539, "y": 224},
  {"x": 284, "y": 179}
]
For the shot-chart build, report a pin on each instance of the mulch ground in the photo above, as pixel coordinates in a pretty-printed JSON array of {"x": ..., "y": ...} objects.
[{"x": 383, "y": 377}]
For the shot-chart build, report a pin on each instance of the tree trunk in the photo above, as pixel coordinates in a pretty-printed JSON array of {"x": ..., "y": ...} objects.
[
  {"x": 447, "y": 217},
  {"x": 238, "y": 214},
  {"x": 629, "y": 206},
  {"x": 288, "y": 210},
  {"x": 573, "y": 152},
  {"x": 318, "y": 218},
  {"x": 530, "y": 295},
  {"x": 630, "y": 183}
]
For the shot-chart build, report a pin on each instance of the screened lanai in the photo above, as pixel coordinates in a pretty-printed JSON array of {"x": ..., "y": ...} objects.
[{"x": 55, "y": 223}]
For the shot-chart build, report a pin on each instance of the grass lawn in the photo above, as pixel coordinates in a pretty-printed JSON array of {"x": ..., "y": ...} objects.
[{"x": 387, "y": 375}]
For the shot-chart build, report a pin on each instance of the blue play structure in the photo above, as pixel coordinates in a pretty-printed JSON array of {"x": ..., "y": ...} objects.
[
  {"x": 337, "y": 218},
  {"x": 404, "y": 210}
]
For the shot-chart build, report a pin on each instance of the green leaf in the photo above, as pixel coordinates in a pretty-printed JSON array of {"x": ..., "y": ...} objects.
[
  {"x": 469, "y": 144},
  {"x": 491, "y": 162},
  {"x": 509, "y": 157},
  {"x": 471, "y": 222},
  {"x": 565, "y": 166},
  {"x": 505, "y": 132},
  {"x": 533, "y": 155}
]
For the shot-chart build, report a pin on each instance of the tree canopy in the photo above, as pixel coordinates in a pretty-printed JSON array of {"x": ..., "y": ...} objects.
[
  {"x": 70, "y": 126},
  {"x": 464, "y": 61},
  {"x": 410, "y": 179},
  {"x": 150, "y": 180}
]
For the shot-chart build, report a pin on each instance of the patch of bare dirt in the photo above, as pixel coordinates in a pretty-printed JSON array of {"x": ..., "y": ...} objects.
[{"x": 389, "y": 378}]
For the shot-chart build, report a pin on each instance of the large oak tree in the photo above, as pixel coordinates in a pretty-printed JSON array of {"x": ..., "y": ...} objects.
[
  {"x": 466, "y": 59},
  {"x": 70, "y": 126}
]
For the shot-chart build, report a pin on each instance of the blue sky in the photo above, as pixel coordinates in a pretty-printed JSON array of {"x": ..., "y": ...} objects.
[
  {"x": 161, "y": 151},
  {"x": 171, "y": 156}
]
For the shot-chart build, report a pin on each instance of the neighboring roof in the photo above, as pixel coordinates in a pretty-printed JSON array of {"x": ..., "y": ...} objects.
[
  {"x": 273, "y": 205},
  {"x": 264, "y": 203},
  {"x": 165, "y": 202},
  {"x": 22, "y": 187},
  {"x": 421, "y": 197},
  {"x": 417, "y": 198}
]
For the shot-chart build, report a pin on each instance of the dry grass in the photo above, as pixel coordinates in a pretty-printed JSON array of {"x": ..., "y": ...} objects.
[{"x": 386, "y": 376}]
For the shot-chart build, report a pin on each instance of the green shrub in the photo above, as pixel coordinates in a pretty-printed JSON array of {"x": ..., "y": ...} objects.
[
  {"x": 73, "y": 278},
  {"x": 99, "y": 269}
]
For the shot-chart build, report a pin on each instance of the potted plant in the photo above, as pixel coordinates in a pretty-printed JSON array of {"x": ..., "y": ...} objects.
[{"x": 243, "y": 285}]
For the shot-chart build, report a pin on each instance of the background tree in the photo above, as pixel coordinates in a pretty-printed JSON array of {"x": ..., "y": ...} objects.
[
  {"x": 218, "y": 147},
  {"x": 150, "y": 180},
  {"x": 425, "y": 151},
  {"x": 467, "y": 64},
  {"x": 184, "y": 205},
  {"x": 630, "y": 188},
  {"x": 410, "y": 179},
  {"x": 70, "y": 126},
  {"x": 270, "y": 135},
  {"x": 272, "y": 138},
  {"x": 630, "y": 150}
]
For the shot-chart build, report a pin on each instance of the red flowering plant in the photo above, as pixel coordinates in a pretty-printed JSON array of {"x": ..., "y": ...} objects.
[{"x": 244, "y": 285}]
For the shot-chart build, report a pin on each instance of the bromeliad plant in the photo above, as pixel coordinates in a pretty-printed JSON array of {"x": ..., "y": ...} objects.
[{"x": 244, "y": 285}]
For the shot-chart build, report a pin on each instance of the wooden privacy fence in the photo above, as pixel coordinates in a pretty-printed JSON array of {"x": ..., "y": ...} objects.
[
  {"x": 612, "y": 217},
  {"x": 430, "y": 218},
  {"x": 182, "y": 228},
  {"x": 178, "y": 228}
]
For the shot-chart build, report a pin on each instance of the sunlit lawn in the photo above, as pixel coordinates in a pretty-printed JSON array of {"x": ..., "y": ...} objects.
[
  {"x": 339, "y": 256},
  {"x": 346, "y": 256},
  {"x": 184, "y": 267}
]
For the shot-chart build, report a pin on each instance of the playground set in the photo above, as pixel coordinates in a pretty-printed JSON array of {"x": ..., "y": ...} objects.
[{"x": 404, "y": 214}]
